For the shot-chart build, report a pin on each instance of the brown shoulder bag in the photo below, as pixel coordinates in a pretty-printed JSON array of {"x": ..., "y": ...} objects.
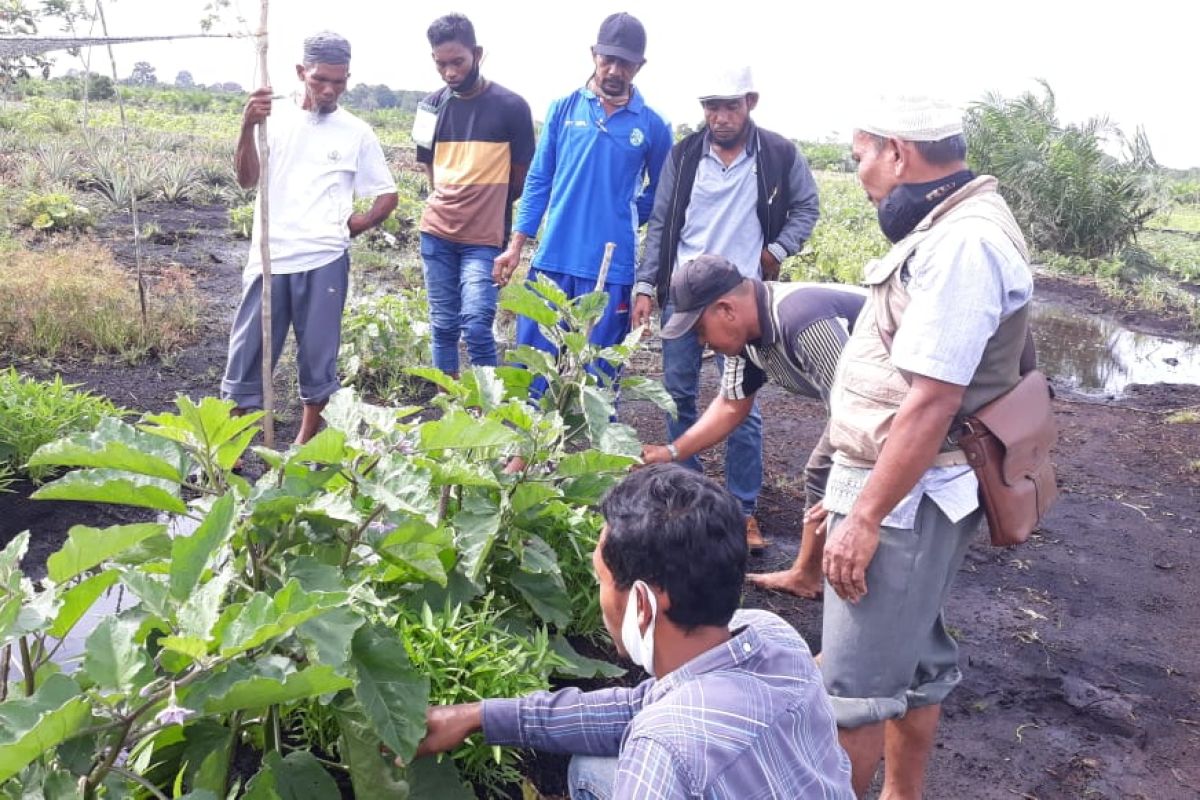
[{"x": 1007, "y": 443}]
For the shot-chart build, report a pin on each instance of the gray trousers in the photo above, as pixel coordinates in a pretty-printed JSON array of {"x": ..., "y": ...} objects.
[
  {"x": 310, "y": 303},
  {"x": 890, "y": 651}
]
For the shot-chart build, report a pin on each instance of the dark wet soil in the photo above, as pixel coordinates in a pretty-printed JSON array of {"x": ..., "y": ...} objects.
[{"x": 1080, "y": 650}]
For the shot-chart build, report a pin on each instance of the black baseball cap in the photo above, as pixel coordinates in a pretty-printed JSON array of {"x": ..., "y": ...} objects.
[
  {"x": 622, "y": 36},
  {"x": 694, "y": 287}
]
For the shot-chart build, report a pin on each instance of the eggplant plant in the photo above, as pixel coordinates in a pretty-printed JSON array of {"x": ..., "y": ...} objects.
[{"x": 253, "y": 601}]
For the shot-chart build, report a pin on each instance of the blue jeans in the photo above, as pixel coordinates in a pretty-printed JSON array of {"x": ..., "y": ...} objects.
[
  {"x": 682, "y": 360},
  {"x": 591, "y": 777},
  {"x": 462, "y": 300}
]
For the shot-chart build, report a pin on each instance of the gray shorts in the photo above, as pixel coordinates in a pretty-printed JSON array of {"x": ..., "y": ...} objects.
[
  {"x": 890, "y": 652},
  {"x": 310, "y": 303}
]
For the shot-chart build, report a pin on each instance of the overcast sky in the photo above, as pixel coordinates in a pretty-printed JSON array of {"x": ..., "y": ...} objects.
[{"x": 814, "y": 63}]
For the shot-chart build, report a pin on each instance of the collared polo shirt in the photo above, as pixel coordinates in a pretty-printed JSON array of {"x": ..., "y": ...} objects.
[
  {"x": 722, "y": 215},
  {"x": 593, "y": 178}
]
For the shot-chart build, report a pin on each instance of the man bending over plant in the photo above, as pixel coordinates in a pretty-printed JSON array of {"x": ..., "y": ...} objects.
[
  {"x": 322, "y": 157},
  {"x": 734, "y": 705}
]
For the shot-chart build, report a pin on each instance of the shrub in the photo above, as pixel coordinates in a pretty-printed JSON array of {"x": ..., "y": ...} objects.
[
  {"x": 76, "y": 301},
  {"x": 847, "y": 235},
  {"x": 241, "y": 220},
  {"x": 34, "y": 412},
  {"x": 382, "y": 336},
  {"x": 54, "y": 212},
  {"x": 1069, "y": 195}
]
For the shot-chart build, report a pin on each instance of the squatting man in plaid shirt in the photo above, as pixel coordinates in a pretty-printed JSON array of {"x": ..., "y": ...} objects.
[{"x": 734, "y": 707}]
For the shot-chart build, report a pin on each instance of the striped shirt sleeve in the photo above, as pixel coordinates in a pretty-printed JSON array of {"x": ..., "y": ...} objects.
[
  {"x": 566, "y": 721},
  {"x": 741, "y": 379},
  {"x": 819, "y": 346}
]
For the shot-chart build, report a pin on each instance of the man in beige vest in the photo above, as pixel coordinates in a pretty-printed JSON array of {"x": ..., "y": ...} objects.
[{"x": 941, "y": 334}]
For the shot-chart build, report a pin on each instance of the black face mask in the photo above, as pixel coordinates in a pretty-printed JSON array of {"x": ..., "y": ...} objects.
[
  {"x": 909, "y": 203},
  {"x": 470, "y": 82}
]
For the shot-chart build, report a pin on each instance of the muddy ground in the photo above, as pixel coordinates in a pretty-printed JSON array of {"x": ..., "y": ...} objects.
[{"x": 1079, "y": 650}]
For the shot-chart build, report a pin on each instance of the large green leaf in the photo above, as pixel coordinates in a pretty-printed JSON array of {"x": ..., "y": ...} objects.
[
  {"x": 116, "y": 445},
  {"x": 190, "y": 554},
  {"x": 620, "y": 439},
  {"x": 151, "y": 591},
  {"x": 373, "y": 777},
  {"x": 78, "y": 599},
  {"x": 10, "y": 561},
  {"x": 114, "y": 660},
  {"x": 592, "y": 462},
  {"x": 579, "y": 665},
  {"x": 400, "y": 485},
  {"x": 520, "y": 299},
  {"x": 201, "y": 610},
  {"x": 29, "y": 726},
  {"x": 429, "y": 777},
  {"x": 88, "y": 547},
  {"x": 262, "y": 690},
  {"x": 208, "y": 426},
  {"x": 476, "y": 527},
  {"x": 456, "y": 471},
  {"x": 265, "y": 616},
  {"x": 327, "y": 447},
  {"x": 534, "y": 360},
  {"x": 414, "y": 550},
  {"x": 327, "y": 637},
  {"x": 440, "y": 379},
  {"x": 300, "y": 776},
  {"x": 458, "y": 430},
  {"x": 636, "y": 387},
  {"x": 537, "y": 556},
  {"x": 598, "y": 411},
  {"x": 114, "y": 486},
  {"x": 546, "y": 594},
  {"x": 393, "y": 694}
]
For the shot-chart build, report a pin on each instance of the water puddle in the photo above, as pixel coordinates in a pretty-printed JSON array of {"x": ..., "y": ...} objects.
[{"x": 1097, "y": 355}]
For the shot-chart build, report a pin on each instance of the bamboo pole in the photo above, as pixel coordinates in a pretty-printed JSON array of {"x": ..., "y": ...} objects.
[{"x": 264, "y": 241}]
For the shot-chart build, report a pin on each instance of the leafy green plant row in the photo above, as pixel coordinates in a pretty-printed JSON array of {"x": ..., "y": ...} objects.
[
  {"x": 305, "y": 620},
  {"x": 33, "y": 413}
]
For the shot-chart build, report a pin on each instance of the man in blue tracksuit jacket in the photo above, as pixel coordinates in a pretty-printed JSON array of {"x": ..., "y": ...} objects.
[{"x": 595, "y": 171}]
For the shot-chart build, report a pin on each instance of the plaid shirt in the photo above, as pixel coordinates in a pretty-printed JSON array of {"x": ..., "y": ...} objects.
[{"x": 748, "y": 719}]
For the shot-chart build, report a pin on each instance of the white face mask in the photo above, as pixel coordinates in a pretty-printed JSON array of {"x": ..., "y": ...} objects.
[{"x": 639, "y": 646}]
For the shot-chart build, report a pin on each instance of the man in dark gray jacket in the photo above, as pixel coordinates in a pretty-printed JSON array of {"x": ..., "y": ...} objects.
[{"x": 741, "y": 192}]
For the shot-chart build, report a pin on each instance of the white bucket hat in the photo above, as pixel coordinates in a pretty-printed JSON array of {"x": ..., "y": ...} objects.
[
  {"x": 728, "y": 84},
  {"x": 914, "y": 119}
]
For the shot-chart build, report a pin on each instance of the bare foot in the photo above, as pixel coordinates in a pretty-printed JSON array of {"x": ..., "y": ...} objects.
[{"x": 790, "y": 581}]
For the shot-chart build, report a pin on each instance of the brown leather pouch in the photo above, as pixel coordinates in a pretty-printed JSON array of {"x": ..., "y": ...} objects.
[{"x": 1007, "y": 443}]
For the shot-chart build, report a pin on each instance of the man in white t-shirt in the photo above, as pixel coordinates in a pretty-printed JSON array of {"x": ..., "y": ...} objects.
[{"x": 322, "y": 157}]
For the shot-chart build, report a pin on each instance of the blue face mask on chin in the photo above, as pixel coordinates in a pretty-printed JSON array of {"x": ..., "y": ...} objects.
[{"x": 909, "y": 203}]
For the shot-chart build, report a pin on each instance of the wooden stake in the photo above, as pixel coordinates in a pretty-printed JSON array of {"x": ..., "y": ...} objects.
[
  {"x": 264, "y": 240},
  {"x": 602, "y": 278},
  {"x": 125, "y": 161}
]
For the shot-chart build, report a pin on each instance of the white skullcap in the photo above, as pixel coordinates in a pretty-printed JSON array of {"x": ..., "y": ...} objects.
[
  {"x": 914, "y": 119},
  {"x": 728, "y": 84}
]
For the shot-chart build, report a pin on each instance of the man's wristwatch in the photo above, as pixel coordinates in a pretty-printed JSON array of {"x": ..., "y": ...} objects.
[{"x": 673, "y": 450}]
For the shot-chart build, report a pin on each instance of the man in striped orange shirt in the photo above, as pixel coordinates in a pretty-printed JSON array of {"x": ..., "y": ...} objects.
[{"x": 475, "y": 139}]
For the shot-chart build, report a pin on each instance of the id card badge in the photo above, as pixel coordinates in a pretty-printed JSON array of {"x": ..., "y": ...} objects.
[{"x": 425, "y": 125}]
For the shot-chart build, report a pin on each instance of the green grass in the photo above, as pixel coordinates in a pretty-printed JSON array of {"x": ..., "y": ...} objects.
[{"x": 1179, "y": 217}]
